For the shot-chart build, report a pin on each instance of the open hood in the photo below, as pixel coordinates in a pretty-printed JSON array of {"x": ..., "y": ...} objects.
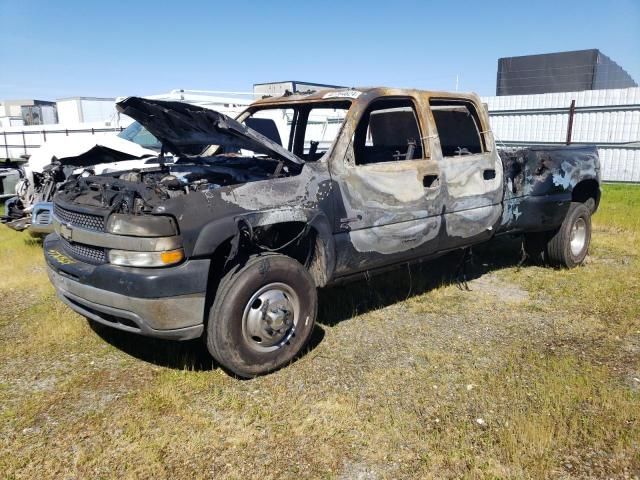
[{"x": 180, "y": 126}]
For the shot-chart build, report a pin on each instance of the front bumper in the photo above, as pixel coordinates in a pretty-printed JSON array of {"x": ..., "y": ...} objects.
[{"x": 135, "y": 300}]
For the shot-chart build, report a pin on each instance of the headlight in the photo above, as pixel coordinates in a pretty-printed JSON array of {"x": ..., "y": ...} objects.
[
  {"x": 142, "y": 225},
  {"x": 128, "y": 258}
]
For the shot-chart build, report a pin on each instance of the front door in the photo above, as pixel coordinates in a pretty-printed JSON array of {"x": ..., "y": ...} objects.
[{"x": 390, "y": 201}]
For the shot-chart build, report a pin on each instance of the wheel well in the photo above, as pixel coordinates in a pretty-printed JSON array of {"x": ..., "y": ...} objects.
[
  {"x": 308, "y": 250},
  {"x": 586, "y": 190}
]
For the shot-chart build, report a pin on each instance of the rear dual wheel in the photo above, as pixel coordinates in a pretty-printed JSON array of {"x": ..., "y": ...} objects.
[{"x": 568, "y": 246}]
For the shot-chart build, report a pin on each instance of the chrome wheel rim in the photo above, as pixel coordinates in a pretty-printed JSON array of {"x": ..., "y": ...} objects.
[
  {"x": 578, "y": 236},
  {"x": 270, "y": 317}
]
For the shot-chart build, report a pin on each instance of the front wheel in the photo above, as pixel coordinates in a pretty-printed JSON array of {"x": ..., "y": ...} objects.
[
  {"x": 568, "y": 247},
  {"x": 262, "y": 316}
]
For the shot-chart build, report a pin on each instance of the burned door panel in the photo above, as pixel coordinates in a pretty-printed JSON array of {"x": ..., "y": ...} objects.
[
  {"x": 390, "y": 205},
  {"x": 471, "y": 170},
  {"x": 387, "y": 213}
]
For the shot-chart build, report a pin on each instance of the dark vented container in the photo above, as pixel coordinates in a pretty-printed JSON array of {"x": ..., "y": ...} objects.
[{"x": 560, "y": 72}]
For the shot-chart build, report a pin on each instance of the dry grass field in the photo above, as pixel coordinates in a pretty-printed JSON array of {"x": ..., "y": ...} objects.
[{"x": 534, "y": 373}]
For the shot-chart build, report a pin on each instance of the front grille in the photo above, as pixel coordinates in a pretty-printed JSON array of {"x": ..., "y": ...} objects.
[
  {"x": 86, "y": 253},
  {"x": 78, "y": 219}
]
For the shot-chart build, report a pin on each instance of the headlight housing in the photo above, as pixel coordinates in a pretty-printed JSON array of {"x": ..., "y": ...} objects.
[
  {"x": 128, "y": 258},
  {"x": 142, "y": 225}
]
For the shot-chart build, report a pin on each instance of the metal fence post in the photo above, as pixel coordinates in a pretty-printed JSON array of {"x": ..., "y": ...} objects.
[{"x": 572, "y": 112}]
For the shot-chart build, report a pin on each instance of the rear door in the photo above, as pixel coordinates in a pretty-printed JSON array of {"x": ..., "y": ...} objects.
[
  {"x": 390, "y": 195},
  {"x": 471, "y": 170}
]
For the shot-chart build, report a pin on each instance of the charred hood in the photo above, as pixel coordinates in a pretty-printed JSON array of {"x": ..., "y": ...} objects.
[{"x": 180, "y": 126}]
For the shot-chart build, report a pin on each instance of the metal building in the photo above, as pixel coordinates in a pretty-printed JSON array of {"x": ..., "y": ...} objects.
[
  {"x": 560, "y": 72},
  {"x": 76, "y": 110},
  {"x": 27, "y": 112}
]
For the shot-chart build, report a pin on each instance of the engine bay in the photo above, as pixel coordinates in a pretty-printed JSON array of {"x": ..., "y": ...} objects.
[{"x": 140, "y": 190}]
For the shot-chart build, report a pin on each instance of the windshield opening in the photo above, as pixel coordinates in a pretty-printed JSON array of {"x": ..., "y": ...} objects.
[
  {"x": 307, "y": 130},
  {"x": 136, "y": 133}
]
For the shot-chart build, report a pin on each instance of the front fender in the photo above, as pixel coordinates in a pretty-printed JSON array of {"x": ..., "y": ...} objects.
[
  {"x": 213, "y": 234},
  {"x": 217, "y": 232},
  {"x": 325, "y": 259}
]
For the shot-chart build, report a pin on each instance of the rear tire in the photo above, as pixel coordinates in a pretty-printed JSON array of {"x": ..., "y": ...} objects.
[
  {"x": 263, "y": 315},
  {"x": 568, "y": 247}
]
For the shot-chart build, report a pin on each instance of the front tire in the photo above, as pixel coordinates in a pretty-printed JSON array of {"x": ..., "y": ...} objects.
[
  {"x": 568, "y": 247},
  {"x": 263, "y": 315}
]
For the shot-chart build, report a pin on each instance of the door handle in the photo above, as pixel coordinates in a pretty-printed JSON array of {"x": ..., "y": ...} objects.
[
  {"x": 489, "y": 174},
  {"x": 431, "y": 181},
  {"x": 351, "y": 219}
]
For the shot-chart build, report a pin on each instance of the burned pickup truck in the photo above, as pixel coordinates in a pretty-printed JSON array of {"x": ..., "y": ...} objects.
[{"x": 231, "y": 241}]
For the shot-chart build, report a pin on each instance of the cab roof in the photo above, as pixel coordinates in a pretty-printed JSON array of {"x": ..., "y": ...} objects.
[{"x": 355, "y": 93}]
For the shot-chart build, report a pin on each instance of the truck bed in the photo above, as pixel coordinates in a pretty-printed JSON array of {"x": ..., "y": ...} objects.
[{"x": 541, "y": 182}]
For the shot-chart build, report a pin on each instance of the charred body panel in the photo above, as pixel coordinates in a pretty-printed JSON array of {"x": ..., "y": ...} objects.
[
  {"x": 419, "y": 206},
  {"x": 337, "y": 215},
  {"x": 541, "y": 183}
]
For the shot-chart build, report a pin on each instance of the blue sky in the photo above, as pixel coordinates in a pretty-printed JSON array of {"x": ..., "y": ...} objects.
[{"x": 51, "y": 49}]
